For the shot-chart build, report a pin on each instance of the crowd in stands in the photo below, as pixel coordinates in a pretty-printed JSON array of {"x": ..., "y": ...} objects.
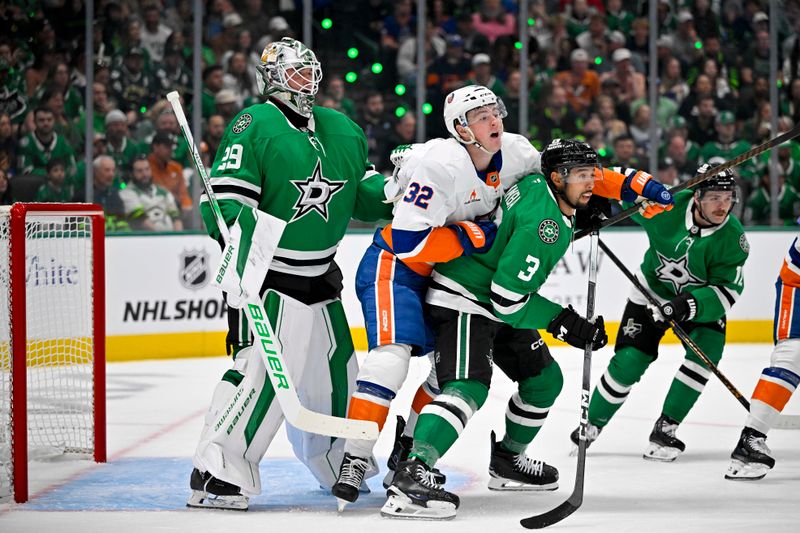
[{"x": 587, "y": 63}]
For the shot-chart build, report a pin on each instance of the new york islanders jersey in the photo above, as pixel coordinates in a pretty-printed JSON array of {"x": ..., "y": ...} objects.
[
  {"x": 315, "y": 180},
  {"x": 503, "y": 283},
  {"x": 706, "y": 262},
  {"x": 444, "y": 187}
]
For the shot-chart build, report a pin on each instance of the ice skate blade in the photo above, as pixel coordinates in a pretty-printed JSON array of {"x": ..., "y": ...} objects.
[
  {"x": 664, "y": 454},
  {"x": 400, "y": 506},
  {"x": 341, "y": 503},
  {"x": 388, "y": 478},
  {"x": 741, "y": 471},
  {"x": 203, "y": 500},
  {"x": 503, "y": 484}
]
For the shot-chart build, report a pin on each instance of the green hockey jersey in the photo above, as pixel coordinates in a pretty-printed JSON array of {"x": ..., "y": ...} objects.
[
  {"x": 315, "y": 180},
  {"x": 502, "y": 284},
  {"x": 705, "y": 262}
]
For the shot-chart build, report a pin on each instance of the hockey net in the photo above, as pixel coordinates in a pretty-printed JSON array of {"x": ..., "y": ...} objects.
[{"x": 52, "y": 337}]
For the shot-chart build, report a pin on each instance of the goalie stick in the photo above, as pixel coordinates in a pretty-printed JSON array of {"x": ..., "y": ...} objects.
[
  {"x": 738, "y": 160},
  {"x": 576, "y": 498},
  {"x": 266, "y": 341},
  {"x": 679, "y": 332}
]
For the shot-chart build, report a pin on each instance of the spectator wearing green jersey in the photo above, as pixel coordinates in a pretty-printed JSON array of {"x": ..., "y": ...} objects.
[
  {"x": 147, "y": 206},
  {"x": 119, "y": 143},
  {"x": 56, "y": 188},
  {"x": 43, "y": 144}
]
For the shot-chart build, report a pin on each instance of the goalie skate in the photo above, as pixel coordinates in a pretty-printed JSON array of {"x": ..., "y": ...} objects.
[
  {"x": 414, "y": 494},
  {"x": 664, "y": 445},
  {"x": 211, "y": 493}
]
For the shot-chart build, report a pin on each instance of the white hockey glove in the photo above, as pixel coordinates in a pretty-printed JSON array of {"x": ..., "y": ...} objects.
[
  {"x": 403, "y": 153},
  {"x": 247, "y": 255}
]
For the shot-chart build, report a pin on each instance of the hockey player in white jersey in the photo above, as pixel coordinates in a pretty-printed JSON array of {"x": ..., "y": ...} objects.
[
  {"x": 751, "y": 459},
  {"x": 448, "y": 190}
]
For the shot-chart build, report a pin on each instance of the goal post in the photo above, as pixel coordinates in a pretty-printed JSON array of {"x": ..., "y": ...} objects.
[{"x": 52, "y": 337}]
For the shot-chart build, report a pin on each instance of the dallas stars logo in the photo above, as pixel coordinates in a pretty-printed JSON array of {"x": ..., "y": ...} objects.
[
  {"x": 315, "y": 193},
  {"x": 676, "y": 272},
  {"x": 631, "y": 328}
]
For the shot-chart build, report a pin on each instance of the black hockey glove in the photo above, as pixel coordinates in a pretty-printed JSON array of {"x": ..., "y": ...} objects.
[
  {"x": 680, "y": 309},
  {"x": 572, "y": 328}
]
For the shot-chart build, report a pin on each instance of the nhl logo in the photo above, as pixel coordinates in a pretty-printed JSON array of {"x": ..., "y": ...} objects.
[
  {"x": 242, "y": 123},
  {"x": 548, "y": 231},
  {"x": 194, "y": 273}
]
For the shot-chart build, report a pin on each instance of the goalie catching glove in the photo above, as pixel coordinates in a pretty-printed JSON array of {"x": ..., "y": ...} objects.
[
  {"x": 657, "y": 198},
  {"x": 247, "y": 255},
  {"x": 572, "y": 328}
]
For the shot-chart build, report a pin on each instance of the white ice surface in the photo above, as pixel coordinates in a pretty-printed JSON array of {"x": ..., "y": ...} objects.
[{"x": 155, "y": 411}]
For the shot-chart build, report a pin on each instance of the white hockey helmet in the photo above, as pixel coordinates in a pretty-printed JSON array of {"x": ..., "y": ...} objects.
[
  {"x": 461, "y": 101},
  {"x": 285, "y": 60}
]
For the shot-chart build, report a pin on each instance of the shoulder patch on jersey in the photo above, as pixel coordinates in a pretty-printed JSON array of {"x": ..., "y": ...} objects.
[
  {"x": 744, "y": 244},
  {"x": 548, "y": 231},
  {"x": 244, "y": 120}
]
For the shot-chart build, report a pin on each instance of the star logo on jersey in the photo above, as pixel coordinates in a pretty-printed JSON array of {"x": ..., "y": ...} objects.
[
  {"x": 316, "y": 192},
  {"x": 631, "y": 328},
  {"x": 244, "y": 120},
  {"x": 676, "y": 272},
  {"x": 548, "y": 231}
]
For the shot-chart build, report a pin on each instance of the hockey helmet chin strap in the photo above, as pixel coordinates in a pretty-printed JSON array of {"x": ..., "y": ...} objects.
[{"x": 473, "y": 140}]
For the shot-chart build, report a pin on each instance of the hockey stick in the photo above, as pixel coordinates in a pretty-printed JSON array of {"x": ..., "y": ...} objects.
[
  {"x": 738, "y": 160},
  {"x": 576, "y": 498},
  {"x": 679, "y": 332},
  {"x": 266, "y": 341}
]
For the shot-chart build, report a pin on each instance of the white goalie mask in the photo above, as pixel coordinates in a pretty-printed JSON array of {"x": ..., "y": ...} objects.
[
  {"x": 461, "y": 101},
  {"x": 289, "y": 71}
]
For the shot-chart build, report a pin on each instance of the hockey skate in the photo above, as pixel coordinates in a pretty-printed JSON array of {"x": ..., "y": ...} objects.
[
  {"x": 211, "y": 493},
  {"x": 751, "y": 459},
  {"x": 592, "y": 432},
  {"x": 414, "y": 493},
  {"x": 351, "y": 476},
  {"x": 664, "y": 445},
  {"x": 510, "y": 471},
  {"x": 400, "y": 451}
]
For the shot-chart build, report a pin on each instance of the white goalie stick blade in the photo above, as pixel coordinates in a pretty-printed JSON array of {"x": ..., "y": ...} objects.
[
  {"x": 313, "y": 422},
  {"x": 400, "y": 506},
  {"x": 739, "y": 470},
  {"x": 664, "y": 454},
  {"x": 203, "y": 500}
]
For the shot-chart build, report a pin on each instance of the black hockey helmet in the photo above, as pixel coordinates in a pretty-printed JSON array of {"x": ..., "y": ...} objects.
[
  {"x": 563, "y": 154},
  {"x": 724, "y": 181}
]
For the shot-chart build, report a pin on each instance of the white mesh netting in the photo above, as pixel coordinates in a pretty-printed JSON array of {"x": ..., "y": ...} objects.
[{"x": 59, "y": 341}]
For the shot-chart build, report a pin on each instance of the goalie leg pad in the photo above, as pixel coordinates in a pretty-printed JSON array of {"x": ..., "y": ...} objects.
[
  {"x": 240, "y": 428},
  {"x": 325, "y": 383}
]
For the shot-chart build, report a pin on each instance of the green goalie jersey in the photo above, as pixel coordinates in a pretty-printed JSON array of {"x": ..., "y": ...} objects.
[
  {"x": 316, "y": 182},
  {"x": 502, "y": 284},
  {"x": 705, "y": 262}
]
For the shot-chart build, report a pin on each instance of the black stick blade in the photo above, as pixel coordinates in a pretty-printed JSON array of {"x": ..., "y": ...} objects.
[{"x": 552, "y": 516}]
